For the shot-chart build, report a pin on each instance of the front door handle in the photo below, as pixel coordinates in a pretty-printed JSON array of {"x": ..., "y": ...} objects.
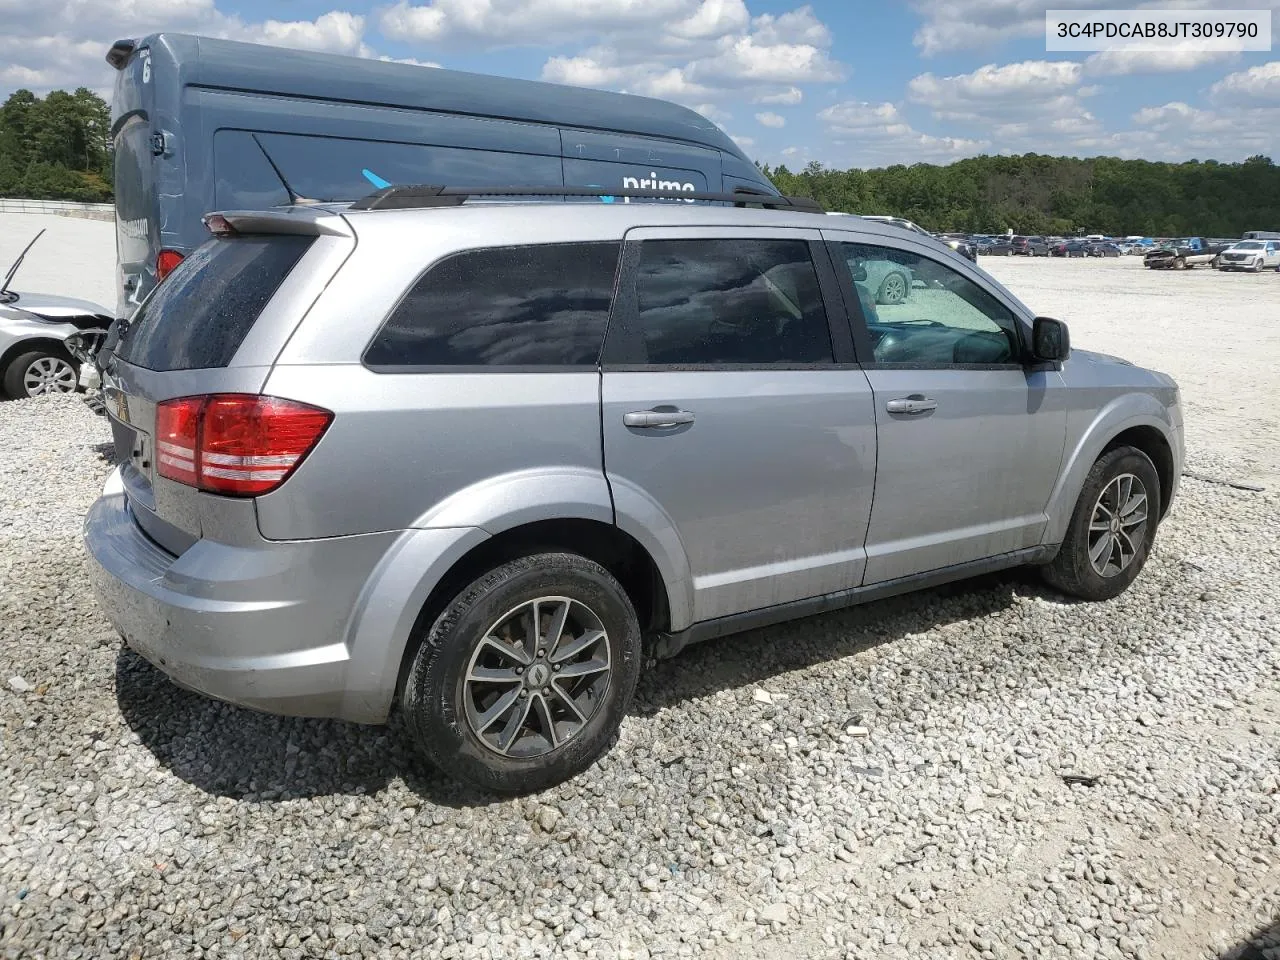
[
  {"x": 657, "y": 418},
  {"x": 914, "y": 405}
]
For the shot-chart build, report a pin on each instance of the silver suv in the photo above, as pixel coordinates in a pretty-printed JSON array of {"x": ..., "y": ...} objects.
[{"x": 466, "y": 460}]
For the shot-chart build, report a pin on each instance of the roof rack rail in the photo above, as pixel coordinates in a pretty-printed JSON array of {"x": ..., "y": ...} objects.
[{"x": 416, "y": 196}]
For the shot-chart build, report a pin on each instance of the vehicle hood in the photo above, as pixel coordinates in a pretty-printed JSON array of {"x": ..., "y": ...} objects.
[
  {"x": 1092, "y": 356},
  {"x": 50, "y": 306}
]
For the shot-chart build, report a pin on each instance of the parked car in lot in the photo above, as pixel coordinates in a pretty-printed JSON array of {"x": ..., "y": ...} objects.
[
  {"x": 960, "y": 244},
  {"x": 1183, "y": 254},
  {"x": 463, "y": 461},
  {"x": 1102, "y": 249},
  {"x": 1030, "y": 246},
  {"x": 1069, "y": 248},
  {"x": 1255, "y": 255},
  {"x": 34, "y": 329},
  {"x": 996, "y": 247}
]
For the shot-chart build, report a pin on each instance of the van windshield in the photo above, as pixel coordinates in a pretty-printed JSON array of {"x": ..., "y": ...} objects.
[{"x": 201, "y": 313}]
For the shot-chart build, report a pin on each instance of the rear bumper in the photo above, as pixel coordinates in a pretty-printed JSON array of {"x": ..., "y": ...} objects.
[{"x": 262, "y": 626}]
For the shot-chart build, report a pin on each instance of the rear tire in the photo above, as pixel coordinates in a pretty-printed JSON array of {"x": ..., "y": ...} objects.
[
  {"x": 41, "y": 372},
  {"x": 893, "y": 288},
  {"x": 555, "y": 723},
  {"x": 1095, "y": 563}
]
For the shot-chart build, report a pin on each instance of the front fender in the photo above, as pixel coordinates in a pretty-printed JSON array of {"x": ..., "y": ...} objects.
[
  {"x": 1123, "y": 413},
  {"x": 16, "y": 328}
]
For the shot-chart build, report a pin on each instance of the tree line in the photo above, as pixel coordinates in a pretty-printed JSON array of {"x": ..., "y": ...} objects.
[
  {"x": 56, "y": 147},
  {"x": 1037, "y": 194}
]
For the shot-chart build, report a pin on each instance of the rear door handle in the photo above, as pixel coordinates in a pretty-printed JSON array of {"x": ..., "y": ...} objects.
[
  {"x": 913, "y": 405},
  {"x": 657, "y": 418}
]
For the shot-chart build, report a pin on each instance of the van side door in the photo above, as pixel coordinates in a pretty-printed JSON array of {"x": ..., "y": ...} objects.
[{"x": 734, "y": 416}]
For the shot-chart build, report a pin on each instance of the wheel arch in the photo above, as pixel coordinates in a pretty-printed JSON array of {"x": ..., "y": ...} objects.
[
  {"x": 1135, "y": 419},
  {"x": 606, "y": 544},
  {"x": 26, "y": 345},
  {"x": 1156, "y": 446}
]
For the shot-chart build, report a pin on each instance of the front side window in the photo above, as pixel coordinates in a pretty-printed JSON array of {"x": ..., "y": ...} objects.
[
  {"x": 537, "y": 305},
  {"x": 920, "y": 312},
  {"x": 751, "y": 302}
]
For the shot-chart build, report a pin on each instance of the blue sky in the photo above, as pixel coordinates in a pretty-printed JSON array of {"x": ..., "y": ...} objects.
[{"x": 860, "y": 83}]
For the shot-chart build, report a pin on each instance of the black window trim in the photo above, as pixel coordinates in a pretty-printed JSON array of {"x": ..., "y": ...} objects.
[
  {"x": 623, "y": 327},
  {"x": 384, "y": 369},
  {"x": 862, "y": 334}
]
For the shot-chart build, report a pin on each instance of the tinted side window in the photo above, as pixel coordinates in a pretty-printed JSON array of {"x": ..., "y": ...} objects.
[
  {"x": 543, "y": 305},
  {"x": 201, "y": 313},
  {"x": 922, "y": 313},
  {"x": 730, "y": 301}
]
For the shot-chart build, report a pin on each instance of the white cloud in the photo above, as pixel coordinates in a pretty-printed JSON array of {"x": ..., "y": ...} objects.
[
  {"x": 334, "y": 32},
  {"x": 63, "y": 43},
  {"x": 495, "y": 23},
  {"x": 797, "y": 26},
  {"x": 647, "y": 79},
  {"x": 1258, "y": 85},
  {"x": 1119, "y": 63},
  {"x": 991, "y": 84},
  {"x": 770, "y": 119},
  {"x": 714, "y": 53},
  {"x": 877, "y": 133},
  {"x": 744, "y": 142},
  {"x": 749, "y": 58},
  {"x": 788, "y": 97},
  {"x": 1178, "y": 131},
  {"x": 1021, "y": 106}
]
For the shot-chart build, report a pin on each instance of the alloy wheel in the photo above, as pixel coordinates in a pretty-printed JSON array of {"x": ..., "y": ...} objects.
[
  {"x": 537, "y": 677},
  {"x": 895, "y": 288},
  {"x": 49, "y": 375},
  {"x": 1118, "y": 525}
]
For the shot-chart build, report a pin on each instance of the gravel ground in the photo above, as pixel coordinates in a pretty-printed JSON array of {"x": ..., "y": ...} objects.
[{"x": 889, "y": 781}]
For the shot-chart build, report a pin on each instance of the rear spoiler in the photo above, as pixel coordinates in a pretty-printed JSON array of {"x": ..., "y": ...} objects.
[
  {"x": 299, "y": 221},
  {"x": 120, "y": 53}
]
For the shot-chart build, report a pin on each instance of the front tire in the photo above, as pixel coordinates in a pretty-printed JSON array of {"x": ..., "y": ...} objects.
[
  {"x": 524, "y": 679},
  {"x": 41, "y": 372},
  {"x": 1112, "y": 527}
]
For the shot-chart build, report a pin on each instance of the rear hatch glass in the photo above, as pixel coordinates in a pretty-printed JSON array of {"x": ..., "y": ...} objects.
[{"x": 198, "y": 317}]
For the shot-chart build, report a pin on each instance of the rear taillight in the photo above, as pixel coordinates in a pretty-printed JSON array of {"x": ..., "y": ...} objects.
[
  {"x": 236, "y": 444},
  {"x": 166, "y": 260}
]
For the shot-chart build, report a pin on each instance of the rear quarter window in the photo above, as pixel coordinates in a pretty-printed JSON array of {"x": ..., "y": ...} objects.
[
  {"x": 534, "y": 305},
  {"x": 201, "y": 313}
]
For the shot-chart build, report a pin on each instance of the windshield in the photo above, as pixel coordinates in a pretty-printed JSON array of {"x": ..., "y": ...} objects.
[{"x": 1249, "y": 245}]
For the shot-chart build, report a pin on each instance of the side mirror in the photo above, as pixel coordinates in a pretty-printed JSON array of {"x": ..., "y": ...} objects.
[{"x": 1050, "y": 341}]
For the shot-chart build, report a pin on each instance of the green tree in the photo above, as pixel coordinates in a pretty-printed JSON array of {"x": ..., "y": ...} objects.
[
  {"x": 1034, "y": 193},
  {"x": 56, "y": 148}
]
